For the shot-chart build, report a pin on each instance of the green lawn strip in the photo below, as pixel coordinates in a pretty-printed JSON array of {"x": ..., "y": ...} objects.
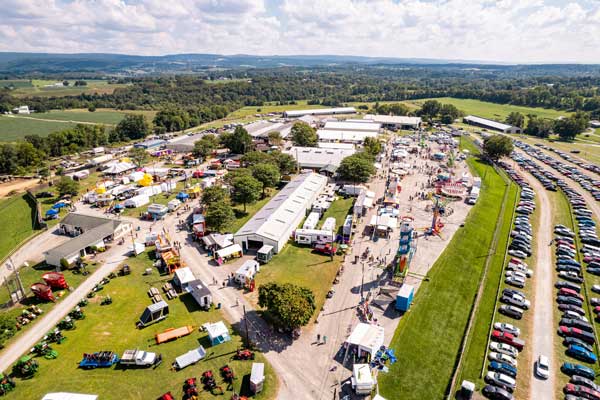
[
  {"x": 100, "y": 117},
  {"x": 474, "y": 355},
  {"x": 17, "y": 217},
  {"x": 15, "y": 128},
  {"x": 113, "y": 328},
  {"x": 339, "y": 210},
  {"x": 428, "y": 338}
]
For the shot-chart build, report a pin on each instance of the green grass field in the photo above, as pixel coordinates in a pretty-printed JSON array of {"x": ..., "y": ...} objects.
[
  {"x": 428, "y": 338},
  {"x": 113, "y": 328},
  {"x": 37, "y": 87},
  {"x": 493, "y": 110},
  {"x": 17, "y": 225}
]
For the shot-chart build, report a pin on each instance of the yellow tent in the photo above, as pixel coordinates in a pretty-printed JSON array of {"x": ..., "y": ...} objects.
[
  {"x": 100, "y": 189},
  {"x": 126, "y": 159},
  {"x": 146, "y": 180}
]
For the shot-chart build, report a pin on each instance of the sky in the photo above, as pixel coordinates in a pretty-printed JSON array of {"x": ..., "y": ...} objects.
[{"x": 513, "y": 31}]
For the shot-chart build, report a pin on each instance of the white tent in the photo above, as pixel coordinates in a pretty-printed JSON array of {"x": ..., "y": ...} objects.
[
  {"x": 137, "y": 248},
  {"x": 367, "y": 337},
  {"x": 136, "y": 176},
  {"x": 119, "y": 168},
  {"x": 183, "y": 276},
  {"x": 69, "y": 396},
  {"x": 228, "y": 251}
]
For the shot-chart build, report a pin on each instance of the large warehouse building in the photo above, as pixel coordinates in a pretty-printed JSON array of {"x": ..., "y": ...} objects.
[
  {"x": 319, "y": 111},
  {"x": 349, "y": 131},
  {"x": 395, "y": 121},
  {"x": 490, "y": 124},
  {"x": 317, "y": 158},
  {"x": 274, "y": 224}
]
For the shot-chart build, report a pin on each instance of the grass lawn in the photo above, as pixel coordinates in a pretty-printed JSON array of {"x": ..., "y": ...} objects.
[
  {"x": 17, "y": 225},
  {"x": 428, "y": 338},
  {"x": 36, "y": 87},
  {"x": 251, "y": 110},
  {"x": 493, "y": 110},
  {"x": 113, "y": 328},
  {"x": 476, "y": 346},
  {"x": 339, "y": 210},
  {"x": 13, "y": 128}
]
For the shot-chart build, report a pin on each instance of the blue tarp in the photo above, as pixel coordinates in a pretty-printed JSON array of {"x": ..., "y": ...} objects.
[
  {"x": 52, "y": 211},
  {"x": 59, "y": 205},
  {"x": 182, "y": 195},
  {"x": 119, "y": 207}
]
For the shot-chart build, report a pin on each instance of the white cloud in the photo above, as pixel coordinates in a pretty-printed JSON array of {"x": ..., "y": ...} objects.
[{"x": 502, "y": 30}]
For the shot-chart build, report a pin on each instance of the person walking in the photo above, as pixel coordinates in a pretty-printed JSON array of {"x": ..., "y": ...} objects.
[{"x": 318, "y": 338}]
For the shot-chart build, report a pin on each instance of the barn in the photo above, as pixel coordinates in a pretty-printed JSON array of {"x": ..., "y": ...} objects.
[{"x": 274, "y": 224}]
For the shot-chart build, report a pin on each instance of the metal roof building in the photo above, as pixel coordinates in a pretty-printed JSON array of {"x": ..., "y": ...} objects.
[
  {"x": 274, "y": 224},
  {"x": 352, "y": 126},
  {"x": 490, "y": 124},
  {"x": 319, "y": 111},
  {"x": 317, "y": 158},
  {"x": 344, "y": 136},
  {"x": 183, "y": 143},
  {"x": 395, "y": 121}
]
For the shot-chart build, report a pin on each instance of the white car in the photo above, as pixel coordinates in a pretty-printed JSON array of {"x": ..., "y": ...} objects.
[
  {"x": 503, "y": 358},
  {"x": 542, "y": 367},
  {"x": 515, "y": 274},
  {"x": 573, "y": 315},
  {"x": 517, "y": 300},
  {"x": 501, "y": 379},
  {"x": 520, "y": 268},
  {"x": 504, "y": 349},
  {"x": 509, "y": 328},
  {"x": 596, "y": 288}
]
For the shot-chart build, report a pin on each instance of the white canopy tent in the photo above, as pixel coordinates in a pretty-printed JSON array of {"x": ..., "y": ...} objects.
[{"x": 368, "y": 338}]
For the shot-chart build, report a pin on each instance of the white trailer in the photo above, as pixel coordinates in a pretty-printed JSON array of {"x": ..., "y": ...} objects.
[
  {"x": 189, "y": 358},
  {"x": 311, "y": 221},
  {"x": 329, "y": 224},
  {"x": 312, "y": 236},
  {"x": 247, "y": 271},
  {"x": 137, "y": 201},
  {"x": 352, "y": 190}
]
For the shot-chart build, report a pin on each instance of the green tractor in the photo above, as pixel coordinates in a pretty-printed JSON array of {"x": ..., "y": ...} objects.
[
  {"x": 83, "y": 303},
  {"x": 43, "y": 349},
  {"x": 6, "y": 384},
  {"x": 77, "y": 313},
  {"x": 106, "y": 301},
  {"x": 54, "y": 336},
  {"x": 66, "y": 324},
  {"x": 26, "y": 367}
]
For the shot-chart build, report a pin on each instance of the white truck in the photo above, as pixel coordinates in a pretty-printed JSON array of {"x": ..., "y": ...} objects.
[{"x": 139, "y": 358}]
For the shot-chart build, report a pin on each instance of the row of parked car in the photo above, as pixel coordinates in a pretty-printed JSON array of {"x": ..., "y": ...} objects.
[
  {"x": 589, "y": 183},
  {"x": 505, "y": 343}
]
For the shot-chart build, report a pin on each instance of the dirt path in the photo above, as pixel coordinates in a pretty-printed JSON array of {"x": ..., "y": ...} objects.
[
  {"x": 20, "y": 185},
  {"x": 543, "y": 334}
]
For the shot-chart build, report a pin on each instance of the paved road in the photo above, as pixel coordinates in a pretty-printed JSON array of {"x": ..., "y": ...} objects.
[{"x": 543, "y": 334}]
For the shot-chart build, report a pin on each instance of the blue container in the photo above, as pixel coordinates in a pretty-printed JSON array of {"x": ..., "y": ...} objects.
[{"x": 404, "y": 298}]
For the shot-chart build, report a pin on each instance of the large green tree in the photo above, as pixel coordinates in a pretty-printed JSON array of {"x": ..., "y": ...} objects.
[
  {"x": 291, "y": 306},
  {"x": 372, "y": 145},
  {"x": 286, "y": 163},
  {"x": 131, "y": 127},
  {"x": 497, "y": 146},
  {"x": 568, "y": 128},
  {"x": 357, "y": 168},
  {"x": 430, "y": 109},
  {"x": 267, "y": 174},
  {"x": 245, "y": 190},
  {"x": 218, "y": 216},
  {"x": 172, "y": 119},
  {"x": 67, "y": 186},
  {"x": 238, "y": 142},
  {"x": 205, "y": 146},
  {"x": 515, "y": 118},
  {"x": 214, "y": 194},
  {"x": 539, "y": 127},
  {"x": 139, "y": 156},
  {"x": 304, "y": 135}
]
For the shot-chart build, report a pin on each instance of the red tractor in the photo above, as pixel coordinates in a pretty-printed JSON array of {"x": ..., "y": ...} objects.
[
  {"x": 55, "y": 280},
  {"x": 244, "y": 355},
  {"x": 227, "y": 373},
  {"x": 325, "y": 248},
  {"x": 167, "y": 396},
  {"x": 190, "y": 389},
  {"x": 42, "y": 291}
]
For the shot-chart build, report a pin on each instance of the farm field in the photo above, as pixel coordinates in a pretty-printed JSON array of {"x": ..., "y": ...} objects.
[
  {"x": 37, "y": 87},
  {"x": 15, "y": 127},
  {"x": 428, "y": 338},
  {"x": 492, "y": 110},
  {"x": 112, "y": 327}
]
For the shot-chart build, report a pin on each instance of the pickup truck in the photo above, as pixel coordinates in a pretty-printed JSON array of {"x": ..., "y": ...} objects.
[{"x": 139, "y": 358}]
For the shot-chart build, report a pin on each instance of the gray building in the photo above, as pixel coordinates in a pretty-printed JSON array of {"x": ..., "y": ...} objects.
[{"x": 490, "y": 124}]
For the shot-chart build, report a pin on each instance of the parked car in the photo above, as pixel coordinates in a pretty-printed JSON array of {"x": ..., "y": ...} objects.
[
  {"x": 578, "y": 369},
  {"x": 581, "y": 391},
  {"x": 501, "y": 380},
  {"x": 517, "y": 253},
  {"x": 504, "y": 327},
  {"x": 581, "y": 354},
  {"x": 514, "y": 281},
  {"x": 578, "y": 333},
  {"x": 581, "y": 381},
  {"x": 504, "y": 349},
  {"x": 502, "y": 358},
  {"x": 576, "y": 323},
  {"x": 495, "y": 393},
  {"x": 578, "y": 342},
  {"x": 542, "y": 367},
  {"x": 503, "y": 368},
  {"x": 508, "y": 338},
  {"x": 569, "y": 300},
  {"x": 570, "y": 307},
  {"x": 569, "y": 285},
  {"x": 571, "y": 276}
]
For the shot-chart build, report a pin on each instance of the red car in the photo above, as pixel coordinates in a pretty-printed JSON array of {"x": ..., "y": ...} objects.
[
  {"x": 326, "y": 249},
  {"x": 577, "y": 333},
  {"x": 589, "y": 259},
  {"x": 197, "y": 174},
  {"x": 581, "y": 391},
  {"x": 569, "y": 292},
  {"x": 505, "y": 337}
]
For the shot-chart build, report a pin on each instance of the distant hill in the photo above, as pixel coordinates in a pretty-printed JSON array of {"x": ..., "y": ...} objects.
[{"x": 123, "y": 64}]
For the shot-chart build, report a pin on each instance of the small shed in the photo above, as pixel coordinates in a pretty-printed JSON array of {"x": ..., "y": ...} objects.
[
  {"x": 404, "y": 297},
  {"x": 199, "y": 292},
  {"x": 257, "y": 377},
  {"x": 247, "y": 271},
  {"x": 154, "y": 313},
  {"x": 183, "y": 276},
  {"x": 217, "y": 332},
  {"x": 264, "y": 254},
  {"x": 189, "y": 358}
]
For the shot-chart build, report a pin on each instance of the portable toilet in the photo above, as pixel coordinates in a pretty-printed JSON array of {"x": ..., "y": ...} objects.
[
  {"x": 404, "y": 297},
  {"x": 467, "y": 389},
  {"x": 264, "y": 254},
  {"x": 257, "y": 377}
]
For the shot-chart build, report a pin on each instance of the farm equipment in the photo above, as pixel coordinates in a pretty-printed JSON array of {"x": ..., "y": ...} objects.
[
  {"x": 42, "y": 291},
  {"x": 76, "y": 313},
  {"x": 325, "y": 248},
  {"x": 209, "y": 383},
  {"x": 55, "y": 280},
  {"x": 190, "y": 389},
  {"x": 106, "y": 301},
  {"x": 96, "y": 289},
  {"x": 227, "y": 373},
  {"x": 25, "y": 368},
  {"x": 6, "y": 384},
  {"x": 35, "y": 310},
  {"x": 54, "y": 336},
  {"x": 166, "y": 396},
  {"x": 125, "y": 270},
  {"x": 101, "y": 359},
  {"x": 66, "y": 324},
  {"x": 43, "y": 349},
  {"x": 244, "y": 354},
  {"x": 83, "y": 303}
]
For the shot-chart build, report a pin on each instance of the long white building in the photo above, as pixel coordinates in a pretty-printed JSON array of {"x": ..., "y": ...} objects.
[
  {"x": 317, "y": 158},
  {"x": 274, "y": 224},
  {"x": 319, "y": 111},
  {"x": 351, "y": 125},
  {"x": 395, "y": 121},
  {"x": 491, "y": 124}
]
